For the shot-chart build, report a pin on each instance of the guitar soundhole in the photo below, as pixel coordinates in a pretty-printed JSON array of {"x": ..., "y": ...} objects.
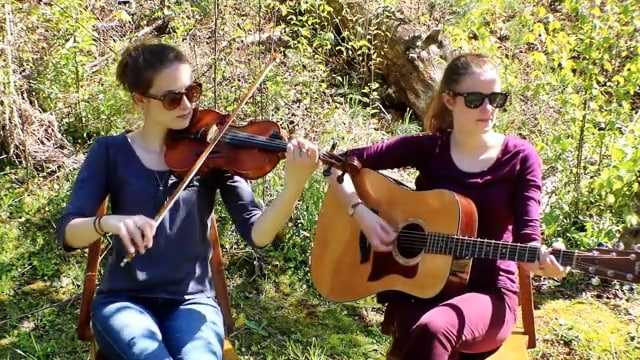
[{"x": 409, "y": 242}]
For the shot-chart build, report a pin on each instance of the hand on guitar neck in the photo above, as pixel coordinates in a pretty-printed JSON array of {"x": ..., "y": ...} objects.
[{"x": 548, "y": 265}]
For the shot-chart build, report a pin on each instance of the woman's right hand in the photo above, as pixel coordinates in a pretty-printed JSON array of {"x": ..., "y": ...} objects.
[
  {"x": 135, "y": 231},
  {"x": 377, "y": 230}
]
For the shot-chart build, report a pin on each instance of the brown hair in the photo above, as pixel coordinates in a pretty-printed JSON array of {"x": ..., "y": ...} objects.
[
  {"x": 438, "y": 117},
  {"x": 140, "y": 63}
]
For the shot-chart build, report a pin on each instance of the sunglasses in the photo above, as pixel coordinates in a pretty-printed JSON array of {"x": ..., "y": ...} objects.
[
  {"x": 172, "y": 99},
  {"x": 474, "y": 99}
]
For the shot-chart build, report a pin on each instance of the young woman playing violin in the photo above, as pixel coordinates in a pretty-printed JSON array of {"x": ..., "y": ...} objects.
[
  {"x": 161, "y": 305},
  {"x": 500, "y": 173}
]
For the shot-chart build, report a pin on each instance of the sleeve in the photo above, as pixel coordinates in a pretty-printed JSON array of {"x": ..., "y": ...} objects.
[
  {"x": 88, "y": 191},
  {"x": 528, "y": 190},
  {"x": 240, "y": 202},
  {"x": 399, "y": 152}
]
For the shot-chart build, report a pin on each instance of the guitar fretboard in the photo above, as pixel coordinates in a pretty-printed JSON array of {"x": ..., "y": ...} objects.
[{"x": 465, "y": 247}]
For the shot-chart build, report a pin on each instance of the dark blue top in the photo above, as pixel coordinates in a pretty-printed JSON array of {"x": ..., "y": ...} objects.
[{"x": 177, "y": 265}]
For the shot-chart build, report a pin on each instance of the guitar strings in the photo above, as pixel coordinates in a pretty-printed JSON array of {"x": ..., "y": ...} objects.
[{"x": 438, "y": 241}]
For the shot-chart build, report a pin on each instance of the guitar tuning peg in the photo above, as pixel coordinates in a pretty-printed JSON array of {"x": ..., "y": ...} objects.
[
  {"x": 619, "y": 246},
  {"x": 595, "y": 281}
]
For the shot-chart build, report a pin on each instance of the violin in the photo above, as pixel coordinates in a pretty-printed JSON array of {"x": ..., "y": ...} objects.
[
  {"x": 210, "y": 141},
  {"x": 250, "y": 151}
]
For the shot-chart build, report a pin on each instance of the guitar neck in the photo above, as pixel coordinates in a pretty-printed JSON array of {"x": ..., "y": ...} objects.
[{"x": 464, "y": 247}]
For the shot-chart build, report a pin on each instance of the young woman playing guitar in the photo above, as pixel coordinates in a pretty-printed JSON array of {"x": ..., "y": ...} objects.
[{"x": 500, "y": 173}]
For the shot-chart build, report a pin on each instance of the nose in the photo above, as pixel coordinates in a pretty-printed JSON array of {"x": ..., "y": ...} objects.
[
  {"x": 486, "y": 105},
  {"x": 185, "y": 103}
]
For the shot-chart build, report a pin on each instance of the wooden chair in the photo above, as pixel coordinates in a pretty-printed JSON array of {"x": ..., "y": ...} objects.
[
  {"x": 84, "y": 331},
  {"x": 523, "y": 336}
]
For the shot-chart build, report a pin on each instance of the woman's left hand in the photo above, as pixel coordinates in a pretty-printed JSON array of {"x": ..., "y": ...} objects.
[
  {"x": 302, "y": 161},
  {"x": 548, "y": 265}
]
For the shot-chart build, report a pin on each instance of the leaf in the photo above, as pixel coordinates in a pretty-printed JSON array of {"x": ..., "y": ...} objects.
[
  {"x": 122, "y": 15},
  {"x": 575, "y": 99},
  {"x": 617, "y": 154},
  {"x": 538, "y": 57},
  {"x": 611, "y": 199},
  {"x": 619, "y": 80},
  {"x": 257, "y": 327}
]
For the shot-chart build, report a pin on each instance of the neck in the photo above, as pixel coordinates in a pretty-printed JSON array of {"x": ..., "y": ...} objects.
[
  {"x": 151, "y": 137},
  {"x": 472, "y": 143}
]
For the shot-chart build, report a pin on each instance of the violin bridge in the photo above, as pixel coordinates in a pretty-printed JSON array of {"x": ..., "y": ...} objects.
[{"x": 212, "y": 134}]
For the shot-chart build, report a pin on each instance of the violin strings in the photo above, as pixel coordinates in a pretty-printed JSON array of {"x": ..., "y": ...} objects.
[{"x": 232, "y": 135}]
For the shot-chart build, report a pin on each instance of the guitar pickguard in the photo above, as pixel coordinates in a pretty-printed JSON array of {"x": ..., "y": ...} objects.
[{"x": 384, "y": 264}]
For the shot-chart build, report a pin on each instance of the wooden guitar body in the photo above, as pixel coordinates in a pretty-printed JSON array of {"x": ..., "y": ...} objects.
[{"x": 344, "y": 267}]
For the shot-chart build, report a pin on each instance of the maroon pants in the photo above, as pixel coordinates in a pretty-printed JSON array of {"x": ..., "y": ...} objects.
[{"x": 439, "y": 330}]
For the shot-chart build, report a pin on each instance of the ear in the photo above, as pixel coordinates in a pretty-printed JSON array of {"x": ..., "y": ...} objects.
[
  {"x": 138, "y": 99},
  {"x": 448, "y": 101}
]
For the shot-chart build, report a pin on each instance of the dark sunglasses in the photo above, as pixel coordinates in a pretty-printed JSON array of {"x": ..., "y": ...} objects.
[
  {"x": 172, "y": 99},
  {"x": 474, "y": 99}
]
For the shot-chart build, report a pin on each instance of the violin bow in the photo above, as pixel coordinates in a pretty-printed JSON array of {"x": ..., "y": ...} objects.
[{"x": 213, "y": 137}]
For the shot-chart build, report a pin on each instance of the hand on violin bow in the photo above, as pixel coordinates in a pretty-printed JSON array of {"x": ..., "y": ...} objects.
[
  {"x": 136, "y": 231},
  {"x": 302, "y": 161},
  {"x": 548, "y": 265}
]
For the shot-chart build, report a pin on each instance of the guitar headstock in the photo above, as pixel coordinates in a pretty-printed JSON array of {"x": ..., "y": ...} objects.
[{"x": 622, "y": 265}]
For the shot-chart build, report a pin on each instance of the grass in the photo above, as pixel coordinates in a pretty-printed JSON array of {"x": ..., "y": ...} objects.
[{"x": 278, "y": 313}]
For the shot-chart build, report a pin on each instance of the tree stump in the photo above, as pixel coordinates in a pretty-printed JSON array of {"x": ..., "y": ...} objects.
[
  {"x": 412, "y": 57},
  {"x": 413, "y": 63}
]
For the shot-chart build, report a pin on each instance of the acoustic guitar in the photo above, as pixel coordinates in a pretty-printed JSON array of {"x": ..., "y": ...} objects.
[{"x": 434, "y": 248}]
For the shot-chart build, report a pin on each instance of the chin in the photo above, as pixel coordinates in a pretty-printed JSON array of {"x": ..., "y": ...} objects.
[{"x": 178, "y": 124}]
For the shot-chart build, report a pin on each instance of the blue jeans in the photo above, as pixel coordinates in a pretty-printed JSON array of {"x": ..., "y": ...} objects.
[{"x": 141, "y": 328}]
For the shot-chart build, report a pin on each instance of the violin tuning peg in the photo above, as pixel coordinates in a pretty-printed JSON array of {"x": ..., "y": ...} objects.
[
  {"x": 276, "y": 135},
  {"x": 333, "y": 146},
  {"x": 327, "y": 171}
]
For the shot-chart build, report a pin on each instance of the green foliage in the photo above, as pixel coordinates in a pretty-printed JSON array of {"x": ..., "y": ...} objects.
[{"x": 573, "y": 70}]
